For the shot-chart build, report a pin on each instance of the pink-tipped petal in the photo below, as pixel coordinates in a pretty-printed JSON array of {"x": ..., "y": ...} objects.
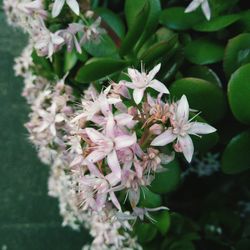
[
  {"x": 74, "y": 6},
  {"x": 206, "y": 10},
  {"x": 124, "y": 141},
  {"x": 138, "y": 95},
  {"x": 114, "y": 163},
  {"x": 192, "y": 6},
  {"x": 57, "y": 7},
  {"x": 200, "y": 128},
  {"x": 159, "y": 86},
  {"x": 153, "y": 72},
  {"x": 96, "y": 156},
  {"x": 187, "y": 147},
  {"x": 164, "y": 138},
  {"x": 94, "y": 135},
  {"x": 182, "y": 112},
  {"x": 115, "y": 200}
]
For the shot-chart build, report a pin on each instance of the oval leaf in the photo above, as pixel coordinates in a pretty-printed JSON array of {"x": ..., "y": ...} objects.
[
  {"x": 217, "y": 23},
  {"x": 203, "y": 52},
  {"x": 237, "y": 53},
  {"x": 239, "y": 94},
  {"x": 235, "y": 158},
  {"x": 97, "y": 68},
  {"x": 176, "y": 18},
  {"x": 203, "y": 96}
]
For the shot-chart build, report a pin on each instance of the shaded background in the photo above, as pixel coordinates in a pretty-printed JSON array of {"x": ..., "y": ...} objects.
[{"x": 29, "y": 219}]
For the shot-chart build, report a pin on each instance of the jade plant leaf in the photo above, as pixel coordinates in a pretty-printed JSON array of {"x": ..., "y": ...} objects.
[
  {"x": 167, "y": 181},
  {"x": 205, "y": 73},
  {"x": 113, "y": 20},
  {"x": 97, "y": 68},
  {"x": 150, "y": 199},
  {"x": 217, "y": 23},
  {"x": 203, "y": 96},
  {"x": 237, "y": 53},
  {"x": 162, "y": 223},
  {"x": 235, "y": 158},
  {"x": 105, "y": 48},
  {"x": 145, "y": 232},
  {"x": 175, "y": 18},
  {"x": 135, "y": 31},
  {"x": 203, "y": 51},
  {"x": 239, "y": 94}
]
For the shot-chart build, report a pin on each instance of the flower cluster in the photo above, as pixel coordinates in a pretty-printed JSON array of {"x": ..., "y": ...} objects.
[{"x": 104, "y": 147}]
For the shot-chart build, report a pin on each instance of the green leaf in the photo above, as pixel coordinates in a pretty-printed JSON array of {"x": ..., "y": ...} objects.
[
  {"x": 97, "y": 68},
  {"x": 145, "y": 232},
  {"x": 105, "y": 48},
  {"x": 168, "y": 180},
  {"x": 239, "y": 94},
  {"x": 175, "y": 18},
  {"x": 113, "y": 20},
  {"x": 135, "y": 30},
  {"x": 217, "y": 23},
  {"x": 158, "y": 50},
  {"x": 182, "y": 245},
  {"x": 203, "y": 51},
  {"x": 203, "y": 96},
  {"x": 235, "y": 158},
  {"x": 150, "y": 199},
  {"x": 162, "y": 223},
  {"x": 237, "y": 53},
  {"x": 152, "y": 21},
  {"x": 70, "y": 60},
  {"x": 205, "y": 73}
]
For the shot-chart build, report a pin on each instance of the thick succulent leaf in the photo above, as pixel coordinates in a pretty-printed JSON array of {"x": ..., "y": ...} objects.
[
  {"x": 237, "y": 53},
  {"x": 113, "y": 20},
  {"x": 203, "y": 96},
  {"x": 204, "y": 51},
  {"x": 205, "y": 73},
  {"x": 158, "y": 50},
  {"x": 70, "y": 60},
  {"x": 97, "y": 68},
  {"x": 162, "y": 223},
  {"x": 145, "y": 232},
  {"x": 235, "y": 158},
  {"x": 217, "y": 23},
  {"x": 167, "y": 181},
  {"x": 105, "y": 48},
  {"x": 175, "y": 18},
  {"x": 135, "y": 31},
  {"x": 150, "y": 199},
  {"x": 239, "y": 94}
]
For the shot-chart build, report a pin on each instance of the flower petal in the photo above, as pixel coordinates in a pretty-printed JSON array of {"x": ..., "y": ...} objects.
[
  {"x": 182, "y": 112},
  {"x": 206, "y": 10},
  {"x": 164, "y": 138},
  {"x": 153, "y": 72},
  {"x": 200, "y": 128},
  {"x": 115, "y": 200},
  {"x": 158, "y": 86},
  {"x": 124, "y": 141},
  {"x": 193, "y": 6},
  {"x": 94, "y": 135},
  {"x": 96, "y": 156},
  {"x": 114, "y": 163},
  {"x": 138, "y": 95},
  {"x": 57, "y": 7},
  {"x": 187, "y": 147},
  {"x": 74, "y": 6}
]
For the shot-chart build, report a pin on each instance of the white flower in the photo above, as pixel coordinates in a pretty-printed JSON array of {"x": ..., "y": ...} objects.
[
  {"x": 204, "y": 6},
  {"x": 141, "y": 81},
  {"x": 181, "y": 129},
  {"x": 58, "y": 5}
]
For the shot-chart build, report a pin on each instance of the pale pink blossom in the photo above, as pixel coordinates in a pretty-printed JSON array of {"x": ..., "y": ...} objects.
[
  {"x": 58, "y": 5},
  {"x": 204, "y": 6},
  {"x": 181, "y": 129},
  {"x": 141, "y": 81}
]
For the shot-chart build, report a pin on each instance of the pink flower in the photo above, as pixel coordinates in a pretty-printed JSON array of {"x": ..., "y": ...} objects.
[
  {"x": 58, "y": 5},
  {"x": 107, "y": 145},
  {"x": 204, "y": 6},
  {"x": 141, "y": 81},
  {"x": 180, "y": 130}
]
